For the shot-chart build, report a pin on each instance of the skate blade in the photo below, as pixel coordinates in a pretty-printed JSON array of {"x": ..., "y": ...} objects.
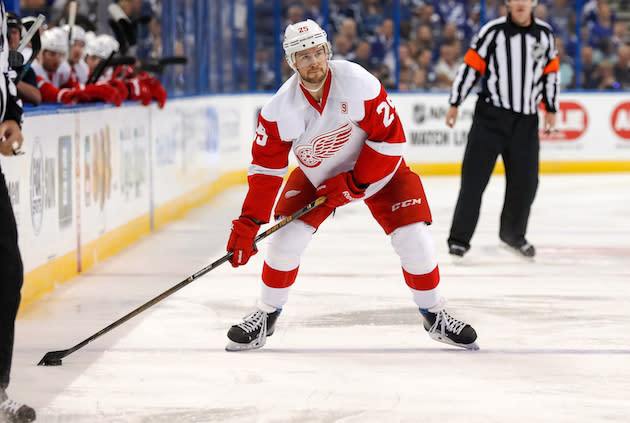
[
  {"x": 516, "y": 252},
  {"x": 445, "y": 340},
  {"x": 236, "y": 346}
]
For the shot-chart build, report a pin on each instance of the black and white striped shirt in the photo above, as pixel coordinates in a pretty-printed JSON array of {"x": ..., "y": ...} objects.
[
  {"x": 518, "y": 66},
  {"x": 10, "y": 105}
]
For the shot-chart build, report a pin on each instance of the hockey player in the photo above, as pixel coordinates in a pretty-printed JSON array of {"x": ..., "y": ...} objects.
[
  {"x": 98, "y": 48},
  {"x": 79, "y": 69},
  {"x": 348, "y": 140},
  {"x": 54, "y": 75},
  {"x": 48, "y": 66}
]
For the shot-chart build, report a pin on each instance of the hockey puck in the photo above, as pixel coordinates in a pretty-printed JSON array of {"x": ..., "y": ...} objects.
[{"x": 53, "y": 362}]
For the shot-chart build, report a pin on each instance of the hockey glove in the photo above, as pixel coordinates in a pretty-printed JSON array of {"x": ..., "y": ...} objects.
[
  {"x": 121, "y": 88},
  {"x": 139, "y": 91},
  {"x": 103, "y": 92},
  {"x": 157, "y": 91},
  {"x": 70, "y": 96},
  {"x": 241, "y": 241},
  {"x": 341, "y": 189}
]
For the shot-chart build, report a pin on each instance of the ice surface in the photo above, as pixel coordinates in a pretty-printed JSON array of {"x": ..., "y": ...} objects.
[{"x": 349, "y": 346}]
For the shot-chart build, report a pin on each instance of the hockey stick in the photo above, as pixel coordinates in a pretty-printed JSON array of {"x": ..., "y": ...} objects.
[
  {"x": 100, "y": 68},
  {"x": 53, "y": 358},
  {"x": 33, "y": 36},
  {"x": 72, "y": 16}
]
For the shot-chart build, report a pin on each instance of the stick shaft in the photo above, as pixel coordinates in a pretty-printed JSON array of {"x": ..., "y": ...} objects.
[{"x": 191, "y": 278}]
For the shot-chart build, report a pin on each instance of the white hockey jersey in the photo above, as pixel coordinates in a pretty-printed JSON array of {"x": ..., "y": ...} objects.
[
  {"x": 60, "y": 79},
  {"x": 80, "y": 71},
  {"x": 354, "y": 127}
]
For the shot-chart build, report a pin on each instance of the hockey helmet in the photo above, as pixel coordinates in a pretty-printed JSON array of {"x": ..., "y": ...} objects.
[
  {"x": 302, "y": 36},
  {"x": 78, "y": 33},
  {"x": 55, "y": 39},
  {"x": 102, "y": 46},
  {"x": 14, "y": 21}
]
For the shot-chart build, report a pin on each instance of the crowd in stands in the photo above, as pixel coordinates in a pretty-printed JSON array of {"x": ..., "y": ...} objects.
[{"x": 435, "y": 35}]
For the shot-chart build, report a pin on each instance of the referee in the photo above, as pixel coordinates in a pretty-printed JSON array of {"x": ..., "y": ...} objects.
[
  {"x": 11, "y": 270},
  {"x": 516, "y": 58}
]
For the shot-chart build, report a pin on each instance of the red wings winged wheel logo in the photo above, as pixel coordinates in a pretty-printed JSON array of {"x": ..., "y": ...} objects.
[{"x": 323, "y": 146}]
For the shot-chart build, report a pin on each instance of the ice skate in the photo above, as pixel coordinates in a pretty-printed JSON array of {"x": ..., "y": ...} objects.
[
  {"x": 444, "y": 328},
  {"x": 14, "y": 412},
  {"x": 521, "y": 248},
  {"x": 252, "y": 333},
  {"x": 457, "y": 250}
]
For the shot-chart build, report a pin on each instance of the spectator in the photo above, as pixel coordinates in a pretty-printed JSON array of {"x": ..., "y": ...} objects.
[
  {"x": 349, "y": 30},
  {"x": 450, "y": 34},
  {"x": 405, "y": 59},
  {"x": 383, "y": 45},
  {"x": 566, "y": 72},
  {"x": 425, "y": 41},
  {"x": 622, "y": 67},
  {"x": 372, "y": 16},
  {"x": 606, "y": 76},
  {"x": 447, "y": 66},
  {"x": 342, "y": 9},
  {"x": 295, "y": 13},
  {"x": 473, "y": 24},
  {"x": 451, "y": 11},
  {"x": 363, "y": 56},
  {"x": 424, "y": 62},
  {"x": 602, "y": 30},
  {"x": 151, "y": 46},
  {"x": 313, "y": 11},
  {"x": 620, "y": 34},
  {"x": 426, "y": 16},
  {"x": 560, "y": 15},
  {"x": 265, "y": 78},
  {"x": 494, "y": 9},
  {"x": 588, "y": 77},
  {"x": 590, "y": 12},
  {"x": 541, "y": 12},
  {"x": 420, "y": 80},
  {"x": 343, "y": 48}
]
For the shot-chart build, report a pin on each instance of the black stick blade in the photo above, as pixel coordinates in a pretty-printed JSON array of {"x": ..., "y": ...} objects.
[{"x": 53, "y": 358}]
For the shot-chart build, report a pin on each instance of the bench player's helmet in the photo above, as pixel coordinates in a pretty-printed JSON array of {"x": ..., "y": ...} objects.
[
  {"x": 78, "y": 33},
  {"x": 302, "y": 36},
  {"x": 55, "y": 39}
]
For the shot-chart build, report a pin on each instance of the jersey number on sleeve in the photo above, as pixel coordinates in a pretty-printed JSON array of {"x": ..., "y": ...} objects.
[
  {"x": 261, "y": 135},
  {"x": 384, "y": 108}
]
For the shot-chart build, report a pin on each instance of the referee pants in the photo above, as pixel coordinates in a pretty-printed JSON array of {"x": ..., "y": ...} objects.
[
  {"x": 11, "y": 277},
  {"x": 515, "y": 137}
]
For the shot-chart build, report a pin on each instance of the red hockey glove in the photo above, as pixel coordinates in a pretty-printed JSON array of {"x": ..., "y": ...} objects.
[
  {"x": 341, "y": 189},
  {"x": 121, "y": 88},
  {"x": 157, "y": 91},
  {"x": 69, "y": 96},
  {"x": 102, "y": 92},
  {"x": 241, "y": 241},
  {"x": 139, "y": 91}
]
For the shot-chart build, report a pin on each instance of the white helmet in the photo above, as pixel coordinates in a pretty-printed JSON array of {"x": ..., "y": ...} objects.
[
  {"x": 102, "y": 46},
  {"x": 302, "y": 36},
  {"x": 78, "y": 33},
  {"x": 55, "y": 39}
]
